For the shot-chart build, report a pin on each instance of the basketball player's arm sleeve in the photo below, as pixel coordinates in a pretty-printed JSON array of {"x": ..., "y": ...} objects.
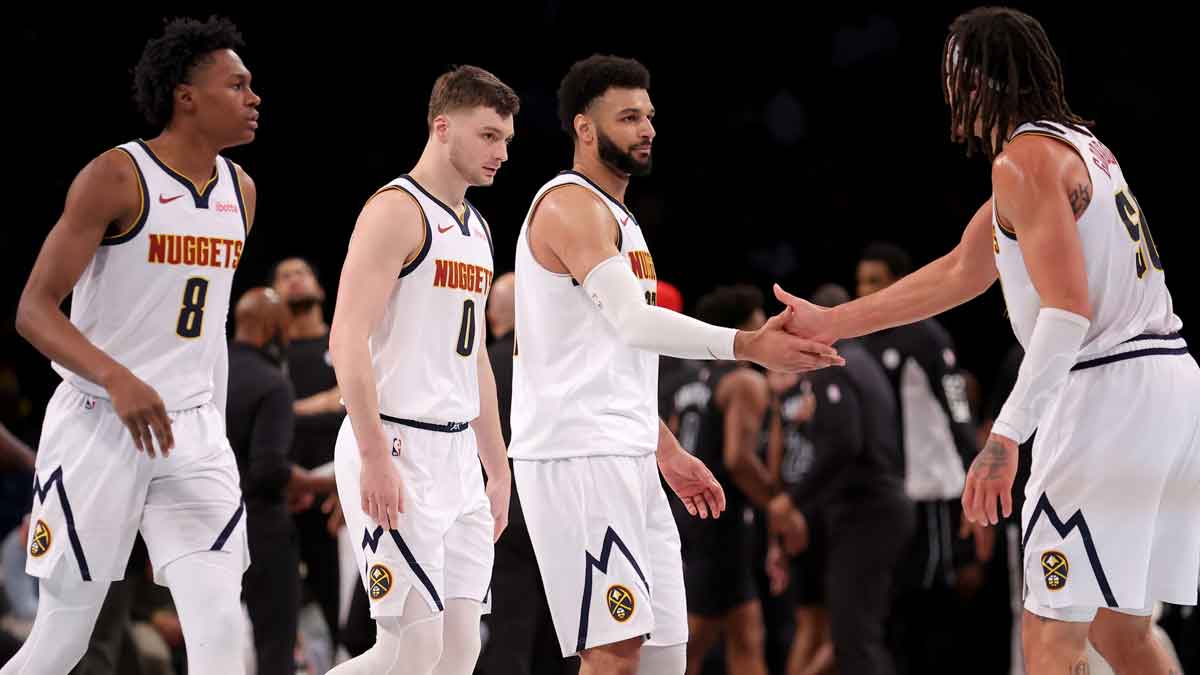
[
  {"x": 619, "y": 297},
  {"x": 837, "y": 437},
  {"x": 1030, "y": 187},
  {"x": 949, "y": 387},
  {"x": 270, "y": 439},
  {"x": 1053, "y": 348}
]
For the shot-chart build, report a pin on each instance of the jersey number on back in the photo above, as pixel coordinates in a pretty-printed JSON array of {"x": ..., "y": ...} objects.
[
  {"x": 1139, "y": 231},
  {"x": 466, "y": 333},
  {"x": 191, "y": 317}
]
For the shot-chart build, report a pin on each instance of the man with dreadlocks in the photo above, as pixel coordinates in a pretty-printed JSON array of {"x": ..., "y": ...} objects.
[
  {"x": 134, "y": 437},
  {"x": 1110, "y": 514}
]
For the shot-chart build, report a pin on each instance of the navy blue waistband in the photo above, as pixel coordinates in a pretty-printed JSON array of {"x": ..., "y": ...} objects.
[
  {"x": 445, "y": 428},
  {"x": 1136, "y": 353}
]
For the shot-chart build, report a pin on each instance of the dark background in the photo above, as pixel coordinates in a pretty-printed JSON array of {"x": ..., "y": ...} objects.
[{"x": 788, "y": 137}]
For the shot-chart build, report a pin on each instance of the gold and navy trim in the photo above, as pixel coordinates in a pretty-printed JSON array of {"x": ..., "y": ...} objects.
[
  {"x": 237, "y": 190},
  {"x": 199, "y": 194},
  {"x": 143, "y": 209},
  {"x": 620, "y": 235},
  {"x": 487, "y": 231},
  {"x": 428, "y": 236},
  {"x": 463, "y": 223}
]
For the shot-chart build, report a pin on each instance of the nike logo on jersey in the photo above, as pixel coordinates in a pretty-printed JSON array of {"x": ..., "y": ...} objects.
[
  {"x": 167, "y": 200},
  {"x": 626, "y": 221},
  {"x": 444, "y": 230}
]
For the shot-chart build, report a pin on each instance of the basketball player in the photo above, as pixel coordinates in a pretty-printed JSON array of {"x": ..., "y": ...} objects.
[
  {"x": 1110, "y": 514},
  {"x": 407, "y": 344},
  {"x": 134, "y": 437},
  {"x": 586, "y": 431}
]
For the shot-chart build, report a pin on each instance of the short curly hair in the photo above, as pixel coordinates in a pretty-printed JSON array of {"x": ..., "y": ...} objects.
[
  {"x": 170, "y": 60},
  {"x": 588, "y": 79}
]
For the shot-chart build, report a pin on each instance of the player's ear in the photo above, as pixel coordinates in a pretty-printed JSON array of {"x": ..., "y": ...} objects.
[
  {"x": 440, "y": 128},
  {"x": 185, "y": 99},
  {"x": 585, "y": 129}
]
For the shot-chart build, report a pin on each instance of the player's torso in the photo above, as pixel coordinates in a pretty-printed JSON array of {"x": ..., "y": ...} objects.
[
  {"x": 578, "y": 389},
  {"x": 1126, "y": 284},
  {"x": 425, "y": 349},
  {"x": 155, "y": 297}
]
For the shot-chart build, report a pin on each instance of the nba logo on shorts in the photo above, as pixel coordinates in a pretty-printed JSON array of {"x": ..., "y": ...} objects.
[{"x": 395, "y": 447}]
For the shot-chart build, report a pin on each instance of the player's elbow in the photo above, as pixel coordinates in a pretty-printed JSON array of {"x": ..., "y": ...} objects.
[
  {"x": 27, "y": 313},
  {"x": 634, "y": 327}
]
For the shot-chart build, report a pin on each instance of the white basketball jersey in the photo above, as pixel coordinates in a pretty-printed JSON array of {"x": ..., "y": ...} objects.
[
  {"x": 424, "y": 350},
  {"x": 578, "y": 390},
  {"x": 1126, "y": 285},
  {"x": 155, "y": 297}
]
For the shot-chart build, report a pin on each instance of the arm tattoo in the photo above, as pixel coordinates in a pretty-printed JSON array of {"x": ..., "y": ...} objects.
[
  {"x": 991, "y": 460},
  {"x": 1081, "y": 196}
]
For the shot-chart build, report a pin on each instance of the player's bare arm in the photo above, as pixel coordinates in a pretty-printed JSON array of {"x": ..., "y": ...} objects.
[
  {"x": 492, "y": 453},
  {"x": 388, "y": 233},
  {"x": 687, "y": 477},
  {"x": 744, "y": 397},
  {"x": 1040, "y": 187},
  {"x": 573, "y": 232},
  {"x": 964, "y": 273},
  {"x": 104, "y": 200}
]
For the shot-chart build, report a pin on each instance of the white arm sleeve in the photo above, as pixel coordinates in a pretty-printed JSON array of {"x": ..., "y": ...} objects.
[
  {"x": 1053, "y": 348},
  {"x": 619, "y": 296}
]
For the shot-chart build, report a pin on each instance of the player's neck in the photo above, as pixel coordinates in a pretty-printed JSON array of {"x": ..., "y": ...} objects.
[
  {"x": 610, "y": 180},
  {"x": 189, "y": 154},
  {"x": 441, "y": 179},
  {"x": 308, "y": 324}
]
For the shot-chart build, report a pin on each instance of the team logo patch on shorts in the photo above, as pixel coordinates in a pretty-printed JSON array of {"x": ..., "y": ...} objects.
[
  {"x": 620, "y": 603},
  {"x": 1055, "y": 569},
  {"x": 41, "y": 540},
  {"x": 381, "y": 581}
]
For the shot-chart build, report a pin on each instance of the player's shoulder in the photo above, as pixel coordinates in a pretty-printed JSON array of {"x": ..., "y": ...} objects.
[
  {"x": 115, "y": 166},
  {"x": 394, "y": 201},
  {"x": 572, "y": 203},
  {"x": 1034, "y": 157}
]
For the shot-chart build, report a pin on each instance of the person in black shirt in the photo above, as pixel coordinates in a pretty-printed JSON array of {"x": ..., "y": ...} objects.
[
  {"x": 259, "y": 422},
  {"x": 319, "y": 414},
  {"x": 718, "y": 416},
  {"x": 856, "y": 482},
  {"x": 938, "y": 438}
]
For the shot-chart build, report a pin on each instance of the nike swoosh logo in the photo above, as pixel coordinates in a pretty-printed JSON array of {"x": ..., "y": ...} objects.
[
  {"x": 167, "y": 200},
  {"x": 444, "y": 230}
]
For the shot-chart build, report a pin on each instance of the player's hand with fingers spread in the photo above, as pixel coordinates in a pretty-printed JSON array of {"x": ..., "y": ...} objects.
[
  {"x": 806, "y": 319},
  {"x": 142, "y": 411},
  {"x": 990, "y": 479},
  {"x": 775, "y": 348},
  {"x": 695, "y": 485},
  {"x": 380, "y": 484}
]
